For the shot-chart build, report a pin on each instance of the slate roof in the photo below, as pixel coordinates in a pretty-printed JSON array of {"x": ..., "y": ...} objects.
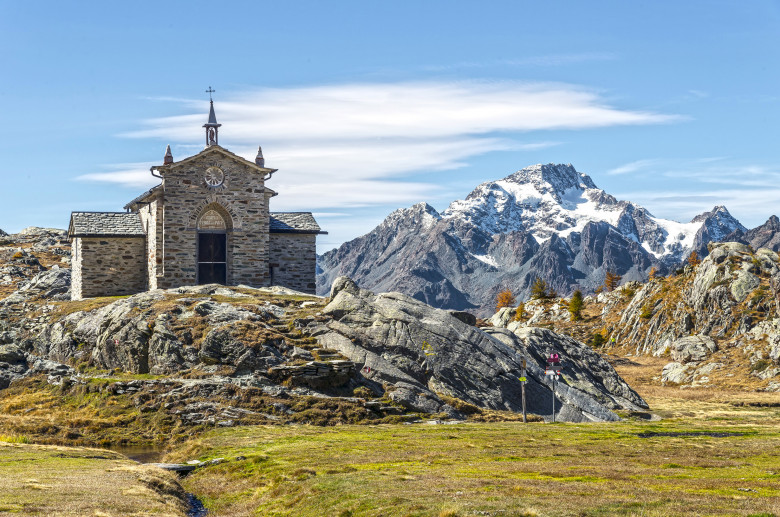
[
  {"x": 105, "y": 224},
  {"x": 294, "y": 222}
]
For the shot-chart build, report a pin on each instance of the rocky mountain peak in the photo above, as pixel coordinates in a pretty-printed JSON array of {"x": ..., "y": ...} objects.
[
  {"x": 773, "y": 223},
  {"x": 552, "y": 178},
  {"x": 715, "y": 226},
  {"x": 719, "y": 211},
  {"x": 421, "y": 214},
  {"x": 540, "y": 199}
]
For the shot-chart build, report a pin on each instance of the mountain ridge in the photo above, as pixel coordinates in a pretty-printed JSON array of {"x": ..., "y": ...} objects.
[{"x": 546, "y": 220}]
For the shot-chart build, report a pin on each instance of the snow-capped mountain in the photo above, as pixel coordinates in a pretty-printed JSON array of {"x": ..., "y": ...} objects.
[
  {"x": 547, "y": 221},
  {"x": 556, "y": 199}
]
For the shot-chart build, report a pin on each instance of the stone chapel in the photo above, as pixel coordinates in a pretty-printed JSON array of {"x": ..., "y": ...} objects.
[{"x": 207, "y": 221}]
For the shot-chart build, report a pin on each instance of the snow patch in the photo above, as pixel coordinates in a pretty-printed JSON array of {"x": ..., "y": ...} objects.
[{"x": 487, "y": 259}]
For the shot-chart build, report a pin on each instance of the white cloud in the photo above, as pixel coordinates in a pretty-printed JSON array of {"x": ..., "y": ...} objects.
[
  {"x": 400, "y": 110},
  {"x": 535, "y": 146},
  {"x": 352, "y": 144},
  {"x": 350, "y": 194},
  {"x": 128, "y": 174},
  {"x": 699, "y": 94},
  {"x": 632, "y": 167}
]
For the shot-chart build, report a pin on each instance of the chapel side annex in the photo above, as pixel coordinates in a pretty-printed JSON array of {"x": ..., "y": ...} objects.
[{"x": 208, "y": 221}]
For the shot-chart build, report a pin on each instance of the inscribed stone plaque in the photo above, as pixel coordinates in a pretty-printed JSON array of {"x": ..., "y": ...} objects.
[{"x": 211, "y": 220}]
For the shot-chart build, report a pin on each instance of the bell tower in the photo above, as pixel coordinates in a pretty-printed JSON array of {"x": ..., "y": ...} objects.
[{"x": 212, "y": 128}]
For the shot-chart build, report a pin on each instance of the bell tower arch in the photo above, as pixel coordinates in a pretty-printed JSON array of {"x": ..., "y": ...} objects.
[{"x": 212, "y": 128}]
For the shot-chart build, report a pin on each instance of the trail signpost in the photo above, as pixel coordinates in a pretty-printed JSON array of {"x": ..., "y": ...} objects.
[
  {"x": 523, "y": 380},
  {"x": 553, "y": 370}
]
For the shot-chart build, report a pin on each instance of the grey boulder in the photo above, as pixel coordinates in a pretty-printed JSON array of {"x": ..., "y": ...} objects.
[
  {"x": 692, "y": 348},
  {"x": 419, "y": 354}
]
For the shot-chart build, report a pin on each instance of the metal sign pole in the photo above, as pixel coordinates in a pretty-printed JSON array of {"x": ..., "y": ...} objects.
[
  {"x": 553, "y": 397},
  {"x": 554, "y": 368},
  {"x": 522, "y": 387}
]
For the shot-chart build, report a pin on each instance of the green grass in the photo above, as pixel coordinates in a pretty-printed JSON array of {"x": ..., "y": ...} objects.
[{"x": 465, "y": 469}]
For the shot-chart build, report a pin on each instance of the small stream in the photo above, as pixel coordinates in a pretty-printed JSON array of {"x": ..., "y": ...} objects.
[
  {"x": 153, "y": 454},
  {"x": 139, "y": 453}
]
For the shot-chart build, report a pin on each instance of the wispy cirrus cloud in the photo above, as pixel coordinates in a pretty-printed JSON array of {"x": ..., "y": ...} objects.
[
  {"x": 632, "y": 167},
  {"x": 128, "y": 174},
  {"x": 353, "y": 144}
]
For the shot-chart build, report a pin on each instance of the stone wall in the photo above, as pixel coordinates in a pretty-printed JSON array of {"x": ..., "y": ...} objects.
[
  {"x": 151, "y": 218},
  {"x": 241, "y": 199},
  {"x": 75, "y": 269},
  {"x": 293, "y": 261},
  {"x": 108, "y": 266}
]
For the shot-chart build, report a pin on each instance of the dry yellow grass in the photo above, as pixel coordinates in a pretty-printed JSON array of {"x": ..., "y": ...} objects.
[
  {"x": 738, "y": 404},
  {"x": 67, "y": 481}
]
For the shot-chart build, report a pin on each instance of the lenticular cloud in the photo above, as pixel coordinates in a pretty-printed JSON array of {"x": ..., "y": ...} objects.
[{"x": 375, "y": 132}]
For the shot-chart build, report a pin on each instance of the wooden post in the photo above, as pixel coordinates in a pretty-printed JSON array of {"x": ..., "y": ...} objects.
[{"x": 522, "y": 387}]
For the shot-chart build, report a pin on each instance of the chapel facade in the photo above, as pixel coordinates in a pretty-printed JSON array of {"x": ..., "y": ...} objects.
[{"x": 208, "y": 221}]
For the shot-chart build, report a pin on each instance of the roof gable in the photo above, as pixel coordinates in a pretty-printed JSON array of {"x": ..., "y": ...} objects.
[{"x": 214, "y": 148}]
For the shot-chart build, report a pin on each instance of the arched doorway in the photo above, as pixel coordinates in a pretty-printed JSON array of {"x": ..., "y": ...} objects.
[{"x": 212, "y": 248}]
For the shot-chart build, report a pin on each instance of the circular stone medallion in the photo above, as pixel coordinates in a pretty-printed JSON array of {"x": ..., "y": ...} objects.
[{"x": 214, "y": 177}]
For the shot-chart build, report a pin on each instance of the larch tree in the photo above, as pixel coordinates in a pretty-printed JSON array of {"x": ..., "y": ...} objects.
[
  {"x": 611, "y": 281},
  {"x": 505, "y": 299},
  {"x": 520, "y": 312}
]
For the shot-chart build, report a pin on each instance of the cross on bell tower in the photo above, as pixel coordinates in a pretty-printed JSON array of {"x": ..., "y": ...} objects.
[{"x": 212, "y": 128}]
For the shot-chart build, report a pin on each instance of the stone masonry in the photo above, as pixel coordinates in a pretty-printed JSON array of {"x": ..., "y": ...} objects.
[
  {"x": 241, "y": 200},
  {"x": 116, "y": 266},
  {"x": 293, "y": 261}
]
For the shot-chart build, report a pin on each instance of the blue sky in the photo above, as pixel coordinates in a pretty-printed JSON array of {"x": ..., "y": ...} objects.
[{"x": 366, "y": 107}]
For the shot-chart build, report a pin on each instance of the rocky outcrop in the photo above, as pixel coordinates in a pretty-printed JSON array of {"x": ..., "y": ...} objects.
[
  {"x": 389, "y": 344},
  {"x": 53, "y": 284},
  {"x": 26, "y": 261},
  {"x": 693, "y": 348},
  {"x": 420, "y": 354},
  {"x": 132, "y": 334},
  {"x": 13, "y": 363},
  {"x": 503, "y": 316},
  {"x": 717, "y": 321},
  {"x": 731, "y": 276}
]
